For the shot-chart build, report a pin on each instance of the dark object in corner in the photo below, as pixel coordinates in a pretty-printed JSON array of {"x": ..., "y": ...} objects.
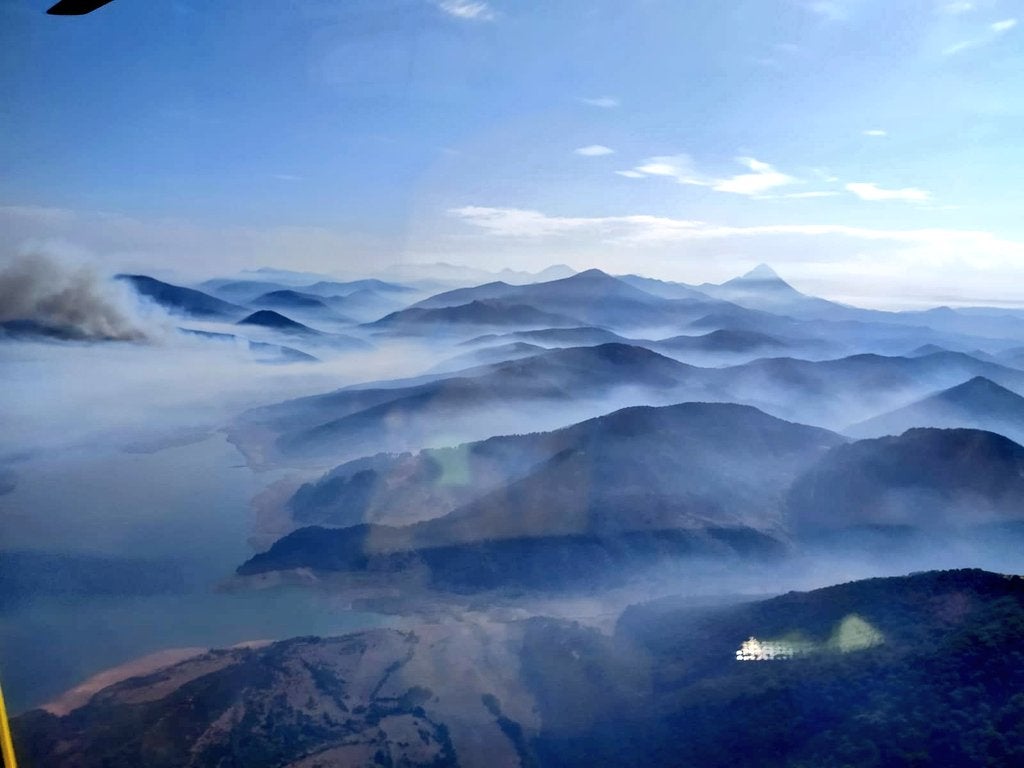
[{"x": 75, "y": 7}]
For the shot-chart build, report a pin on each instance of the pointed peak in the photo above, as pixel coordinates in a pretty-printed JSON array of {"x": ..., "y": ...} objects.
[
  {"x": 979, "y": 390},
  {"x": 761, "y": 272},
  {"x": 981, "y": 383},
  {"x": 592, "y": 273}
]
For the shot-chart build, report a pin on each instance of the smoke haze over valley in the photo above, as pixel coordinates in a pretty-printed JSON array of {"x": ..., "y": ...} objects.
[{"x": 486, "y": 478}]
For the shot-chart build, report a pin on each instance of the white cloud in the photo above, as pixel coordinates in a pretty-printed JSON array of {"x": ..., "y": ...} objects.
[
  {"x": 643, "y": 228},
  {"x": 467, "y": 9},
  {"x": 1003, "y": 26},
  {"x": 678, "y": 167},
  {"x": 604, "y": 102},
  {"x": 876, "y": 132},
  {"x": 762, "y": 177},
  {"x": 873, "y": 192},
  {"x": 594, "y": 150},
  {"x": 631, "y": 174}
]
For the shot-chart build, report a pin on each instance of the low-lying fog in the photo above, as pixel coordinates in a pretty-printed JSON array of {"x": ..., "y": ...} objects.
[{"x": 114, "y": 451}]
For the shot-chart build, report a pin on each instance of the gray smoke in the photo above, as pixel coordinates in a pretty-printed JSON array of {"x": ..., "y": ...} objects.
[{"x": 41, "y": 295}]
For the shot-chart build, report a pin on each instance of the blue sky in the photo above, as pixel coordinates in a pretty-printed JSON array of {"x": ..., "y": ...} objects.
[{"x": 869, "y": 149}]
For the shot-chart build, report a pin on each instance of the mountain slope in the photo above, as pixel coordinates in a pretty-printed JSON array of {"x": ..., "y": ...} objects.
[
  {"x": 905, "y": 671},
  {"x": 488, "y": 355},
  {"x": 930, "y": 479},
  {"x": 761, "y": 288},
  {"x": 288, "y": 299},
  {"x": 666, "y": 289},
  {"x": 541, "y": 391},
  {"x": 681, "y": 479},
  {"x": 594, "y": 297},
  {"x": 186, "y": 301},
  {"x": 645, "y": 454},
  {"x": 723, "y": 341},
  {"x": 833, "y": 393},
  {"x": 240, "y": 291},
  {"x": 327, "y": 288},
  {"x": 688, "y": 466},
  {"x": 268, "y": 318},
  {"x": 556, "y": 337},
  {"x": 978, "y": 404},
  {"x": 475, "y": 313}
]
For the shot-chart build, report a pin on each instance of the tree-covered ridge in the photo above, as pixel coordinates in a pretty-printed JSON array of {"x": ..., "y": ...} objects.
[{"x": 944, "y": 688}]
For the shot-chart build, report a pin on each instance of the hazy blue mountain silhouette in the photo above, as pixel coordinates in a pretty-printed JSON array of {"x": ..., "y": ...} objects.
[
  {"x": 930, "y": 479},
  {"x": 501, "y": 398},
  {"x": 708, "y": 438},
  {"x": 288, "y": 299},
  {"x": 268, "y": 318},
  {"x": 475, "y": 313},
  {"x": 977, "y": 403},
  {"x": 178, "y": 299},
  {"x": 693, "y": 467}
]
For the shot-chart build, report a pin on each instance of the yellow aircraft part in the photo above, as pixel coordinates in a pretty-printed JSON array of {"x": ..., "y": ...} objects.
[{"x": 6, "y": 742}]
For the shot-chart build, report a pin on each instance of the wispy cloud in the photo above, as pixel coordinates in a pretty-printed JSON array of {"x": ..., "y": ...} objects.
[
  {"x": 995, "y": 30},
  {"x": 874, "y": 193},
  {"x": 761, "y": 179},
  {"x": 677, "y": 167},
  {"x": 467, "y": 9},
  {"x": 594, "y": 150},
  {"x": 604, "y": 102},
  {"x": 876, "y": 132},
  {"x": 642, "y": 228}
]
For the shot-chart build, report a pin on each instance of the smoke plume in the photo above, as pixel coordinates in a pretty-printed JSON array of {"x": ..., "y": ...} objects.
[{"x": 40, "y": 295}]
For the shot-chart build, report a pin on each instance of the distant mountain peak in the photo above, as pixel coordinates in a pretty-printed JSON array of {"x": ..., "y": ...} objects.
[
  {"x": 268, "y": 318},
  {"x": 591, "y": 274},
  {"x": 761, "y": 272},
  {"x": 980, "y": 385}
]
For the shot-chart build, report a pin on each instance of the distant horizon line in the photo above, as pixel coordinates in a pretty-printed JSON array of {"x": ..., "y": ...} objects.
[{"x": 391, "y": 273}]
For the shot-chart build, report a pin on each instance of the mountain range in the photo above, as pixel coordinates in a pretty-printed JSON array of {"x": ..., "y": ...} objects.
[
  {"x": 467, "y": 405},
  {"x": 687, "y": 465}
]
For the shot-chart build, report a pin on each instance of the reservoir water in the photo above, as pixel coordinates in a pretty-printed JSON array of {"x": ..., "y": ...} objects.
[{"x": 185, "y": 508}]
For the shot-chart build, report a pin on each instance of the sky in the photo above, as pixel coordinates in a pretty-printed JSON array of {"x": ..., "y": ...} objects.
[{"x": 869, "y": 150}]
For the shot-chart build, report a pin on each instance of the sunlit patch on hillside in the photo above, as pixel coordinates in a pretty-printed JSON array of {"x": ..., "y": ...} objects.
[
  {"x": 851, "y": 634},
  {"x": 854, "y": 634}
]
